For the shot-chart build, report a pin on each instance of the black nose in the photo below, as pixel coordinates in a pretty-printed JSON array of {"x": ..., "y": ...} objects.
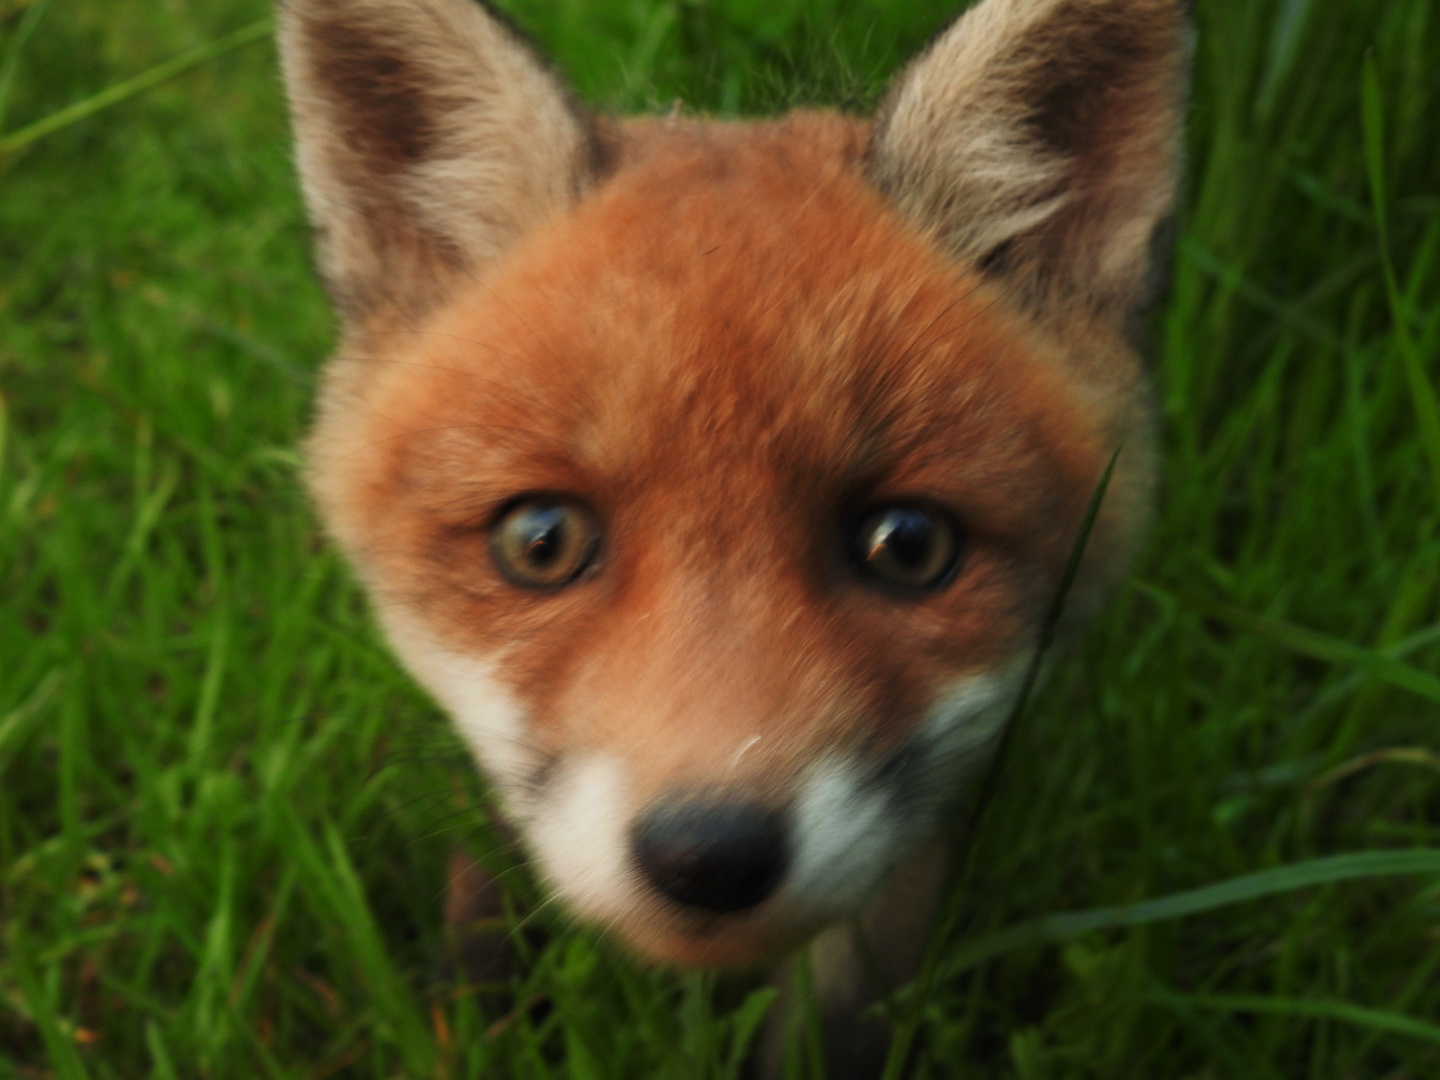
[{"x": 719, "y": 856}]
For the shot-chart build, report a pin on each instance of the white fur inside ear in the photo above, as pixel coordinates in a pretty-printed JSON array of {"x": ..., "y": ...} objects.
[
  {"x": 953, "y": 146},
  {"x": 430, "y": 139},
  {"x": 1041, "y": 139}
]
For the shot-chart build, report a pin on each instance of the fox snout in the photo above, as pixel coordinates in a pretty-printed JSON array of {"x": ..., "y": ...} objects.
[
  {"x": 714, "y": 853},
  {"x": 729, "y": 849}
]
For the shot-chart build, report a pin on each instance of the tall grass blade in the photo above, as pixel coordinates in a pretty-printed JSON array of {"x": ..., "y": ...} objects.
[
  {"x": 745, "y": 1024},
  {"x": 1285, "y": 40},
  {"x": 1316, "y": 1008},
  {"x": 332, "y": 879},
  {"x": 909, "y": 1024},
  {"x": 162, "y": 1068},
  {"x": 1307, "y": 642},
  {"x": 398, "y": 1010},
  {"x": 1329, "y": 870},
  {"x": 16, "y": 141},
  {"x": 14, "y": 50},
  {"x": 1422, "y": 393},
  {"x": 17, "y": 724},
  {"x": 59, "y": 1046}
]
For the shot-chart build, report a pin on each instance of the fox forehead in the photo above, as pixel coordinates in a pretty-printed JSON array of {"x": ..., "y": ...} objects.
[
  {"x": 735, "y": 316},
  {"x": 722, "y": 350}
]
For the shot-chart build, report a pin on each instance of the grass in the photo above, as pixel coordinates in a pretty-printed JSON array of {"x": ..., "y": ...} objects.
[{"x": 224, "y": 813}]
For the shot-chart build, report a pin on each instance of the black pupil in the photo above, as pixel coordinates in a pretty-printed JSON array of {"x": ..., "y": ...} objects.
[
  {"x": 905, "y": 536},
  {"x": 544, "y": 533}
]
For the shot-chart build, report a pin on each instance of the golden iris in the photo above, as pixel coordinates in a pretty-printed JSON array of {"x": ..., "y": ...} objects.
[
  {"x": 545, "y": 543},
  {"x": 908, "y": 547}
]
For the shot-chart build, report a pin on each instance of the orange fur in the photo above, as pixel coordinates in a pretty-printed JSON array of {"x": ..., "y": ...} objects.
[
  {"x": 725, "y": 340},
  {"x": 570, "y": 368}
]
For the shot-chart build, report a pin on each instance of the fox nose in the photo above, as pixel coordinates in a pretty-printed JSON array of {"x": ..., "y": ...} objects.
[{"x": 716, "y": 856}]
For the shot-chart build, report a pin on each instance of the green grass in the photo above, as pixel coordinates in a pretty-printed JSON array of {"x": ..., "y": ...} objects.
[{"x": 224, "y": 813}]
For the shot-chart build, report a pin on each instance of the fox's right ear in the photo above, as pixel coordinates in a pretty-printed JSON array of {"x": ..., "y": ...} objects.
[
  {"x": 1039, "y": 140},
  {"x": 429, "y": 138}
]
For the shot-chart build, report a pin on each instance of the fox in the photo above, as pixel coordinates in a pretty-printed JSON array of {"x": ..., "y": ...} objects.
[{"x": 715, "y": 476}]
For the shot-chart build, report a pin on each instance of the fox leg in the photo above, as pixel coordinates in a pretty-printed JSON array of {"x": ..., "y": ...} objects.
[
  {"x": 478, "y": 948},
  {"x": 895, "y": 926}
]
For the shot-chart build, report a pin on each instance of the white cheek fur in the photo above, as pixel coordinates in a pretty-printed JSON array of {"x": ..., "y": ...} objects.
[
  {"x": 850, "y": 834},
  {"x": 965, "y": 722},
  {"x": 492, "y": 722},
  {"x": 581, "y": 837},
  {"x": 579, "y": 826},
  {"x": 844, "y": 837}
]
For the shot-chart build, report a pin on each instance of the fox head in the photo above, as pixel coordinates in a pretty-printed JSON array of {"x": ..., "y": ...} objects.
[{"x": 716, "y": 477}]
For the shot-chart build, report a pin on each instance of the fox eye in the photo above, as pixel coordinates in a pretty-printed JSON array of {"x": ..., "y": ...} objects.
[
  {"x": 544, "y": 543},
  {"x": 906, "y": 546}
]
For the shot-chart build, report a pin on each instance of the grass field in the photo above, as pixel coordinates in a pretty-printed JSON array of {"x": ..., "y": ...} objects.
[{"x": 224, "y": 813}]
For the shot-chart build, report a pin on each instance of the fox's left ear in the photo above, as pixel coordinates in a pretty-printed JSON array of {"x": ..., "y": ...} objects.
[
  {"x": 1039, "y": 140},
  {"x": 430, "y": 139}
]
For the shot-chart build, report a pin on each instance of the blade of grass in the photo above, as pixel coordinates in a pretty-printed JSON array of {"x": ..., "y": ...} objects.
[
  {"x": 215, "y": 964},
  {"x": 19, "y": 721},
  {"x": 1403, "y": 755},
  {"x": 59, "y": 1046},
  {"x": 216, "y": 662},
  {"x": 162, "y": 1068},
  {"x": 1401, "y": 649},
  {"x": 335, "y": 878},
  {"x": 1289, "y": 313},
  {"x": 1316, "y": 1008},
  {"x": 1307, "y": 642},
  {"x": 16, "y": 48},
  {"x": 744, "y": 1024},
  {"x": 16, "y": 141},
  {"x": 1284, "y": 47},
  {"x": 257, "y": 953},
  {"x": 1328, "y": 870},
  {"x": 909, "y": 1025},
  {"x": 1422, "y": 394},
  {"x": 812, "y": 1038},
  {"x": 1231, "y": 1060}
]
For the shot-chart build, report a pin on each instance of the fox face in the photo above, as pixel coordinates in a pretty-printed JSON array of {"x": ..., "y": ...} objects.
[{"x": 715, "y": 478}]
